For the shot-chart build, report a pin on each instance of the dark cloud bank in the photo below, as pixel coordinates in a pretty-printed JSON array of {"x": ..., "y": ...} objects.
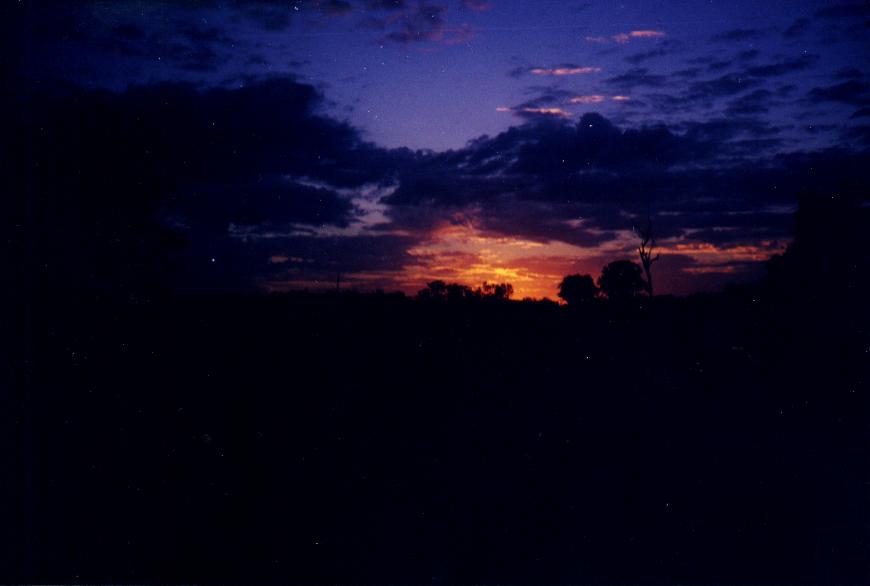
[{"x": 259, "y": 187}]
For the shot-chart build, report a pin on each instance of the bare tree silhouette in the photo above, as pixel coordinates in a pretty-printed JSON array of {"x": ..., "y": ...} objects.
[{"x": 645, "y": 250}]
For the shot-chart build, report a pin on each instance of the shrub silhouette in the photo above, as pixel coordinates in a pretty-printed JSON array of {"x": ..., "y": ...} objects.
[
  {"x": 621, "y": 279},
  {"x": 576, "y": 289}
]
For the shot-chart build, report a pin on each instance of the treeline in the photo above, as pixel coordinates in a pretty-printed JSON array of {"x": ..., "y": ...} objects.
[
  {"x": 619, "y": 280},
  {"x": 441, "y": 291}
]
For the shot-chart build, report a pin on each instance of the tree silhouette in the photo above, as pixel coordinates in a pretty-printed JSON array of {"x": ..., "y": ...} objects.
[
  {"x": 827, "y": 260},
  {"x": 577, "y": 289},
  {"x": 435, "y": 290},
  {"x": 645, "y": 250},
  {"x": 457, "y": 292},
  {"x": 621, "y": 279},
  {"x": 502, "y": 291}
]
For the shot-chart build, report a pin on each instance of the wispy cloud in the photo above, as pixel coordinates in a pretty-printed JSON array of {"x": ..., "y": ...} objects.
[
  {"x": 626, "y": 37},
  {"x": 587, "y": 99},
  {"x": 648, "y": 34},
  {"x": 596, "y": 99},
  {"x": 533, "y": 112},
  {"x": 476, "y": 5},
  {"x": 737, "y": 35},
  {"x": 564, "y": 70}
]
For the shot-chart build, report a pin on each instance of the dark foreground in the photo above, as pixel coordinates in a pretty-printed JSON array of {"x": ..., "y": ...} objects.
[{"x": 355, "y": 439}]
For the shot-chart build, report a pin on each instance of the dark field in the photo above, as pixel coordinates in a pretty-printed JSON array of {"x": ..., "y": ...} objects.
[{"x": 379, "y": 439}]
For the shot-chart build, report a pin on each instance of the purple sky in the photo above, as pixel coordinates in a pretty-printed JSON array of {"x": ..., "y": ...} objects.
[{"x": 740, "y": 88}]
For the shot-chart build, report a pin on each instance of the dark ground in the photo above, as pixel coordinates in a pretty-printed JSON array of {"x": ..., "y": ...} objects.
[{"x": 376, "y": 439}]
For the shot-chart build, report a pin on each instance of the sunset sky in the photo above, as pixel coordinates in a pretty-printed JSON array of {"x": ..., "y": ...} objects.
[{"x": 393, "y": 142}]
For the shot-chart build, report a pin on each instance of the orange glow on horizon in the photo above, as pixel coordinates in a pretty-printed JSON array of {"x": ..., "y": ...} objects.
[{"x": 461, "y": 253}]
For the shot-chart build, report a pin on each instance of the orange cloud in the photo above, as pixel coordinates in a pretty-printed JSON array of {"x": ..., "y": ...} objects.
[
  {"x": 710, "y": 253},
  {"x": 586, "y": 99},
  {"x": 565, "y": 70},
  {"x": 626, "y": 37},
  {"x": 596, "y": 99},
  {"x": 558, "y": 112}
]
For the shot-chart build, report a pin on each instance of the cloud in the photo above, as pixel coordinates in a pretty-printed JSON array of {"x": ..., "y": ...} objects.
[
  {"x": 529, "y": 112},
  {"x": 283, "y": 197},
  {"x": 664, "y": 48},
  {"x": 458, "y": 35},
  {"x": 475, "y": 5},
  {"x": 737, "y": 35},
  {"x": 178, "y": 44},
  {"x": 849, "y": 73},
  {"x": 334, "y": 7},
  {"x": 646, "y": 34},
  {"x": 270, "y": 199},
  {"x": 783, "y": 67},
  {"x": 278, "y": 15},
  {"x": 128, "y": 32},
  {"x": 858, "y": 134},
  {"x": 594, "y": 99},
  {"x": 853, "y": 92},
  {"x": 424, "y": 23},
  {"x": 688, "y": 73},
  {"x": 207, "y": 35},
  {"x": 845, "y": 10},
  {"x": 564, "y": 70},
  {"x": 798, "y": 28},
  {"x": 268, "y": 18},
  {"x": 386, "y": 4},
  {"x": 637, "y": 77},
  {"x": 756, "y": 102},
  {"x": 535, "y": 111},
  {"x": 726, "y": 85},
  {"x": 551, "y": 102},
  {"x": 626, "y": 37},
  {"x": 735, "y": 60}
]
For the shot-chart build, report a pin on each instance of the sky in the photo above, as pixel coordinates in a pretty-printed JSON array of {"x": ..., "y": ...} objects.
[{"x": 392, "y": 142}]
